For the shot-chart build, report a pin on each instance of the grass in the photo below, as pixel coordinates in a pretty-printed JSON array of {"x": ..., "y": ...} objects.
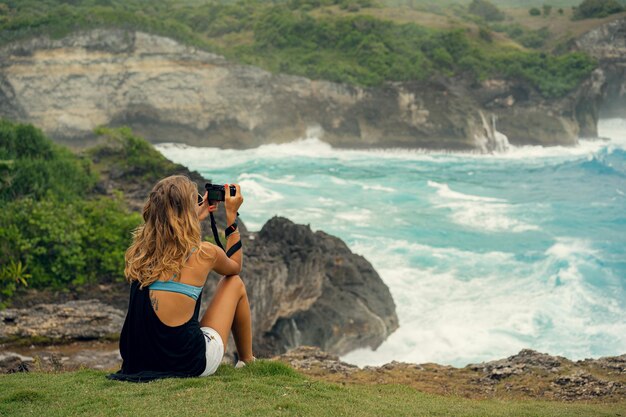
[{"x": 264, "y": 388}]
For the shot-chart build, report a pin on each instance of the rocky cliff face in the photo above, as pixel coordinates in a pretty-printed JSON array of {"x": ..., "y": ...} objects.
[
  {"x": 169, "y": 92},
  {"x": 607, "y": 44},
  {"x": 309, "y": 288}
]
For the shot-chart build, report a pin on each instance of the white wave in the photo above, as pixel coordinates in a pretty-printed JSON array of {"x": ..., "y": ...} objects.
[
  {"x": 356, "y": 216},
  {"x": 258, "y": 192},
  {"x": 444, "y": 191},
  {"x": 364, "y": 185},
  {"x": 615, "y": 129},
  {"x": 463, "y": 310},
  {"x": 284, "y": 180},
  {"x": 482, "y": 213},
  {"x": 205, "y": 158},
  {"x": 375, "y": 187}
]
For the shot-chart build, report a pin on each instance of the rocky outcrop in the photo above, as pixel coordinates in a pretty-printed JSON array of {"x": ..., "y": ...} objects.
[
  {"x": 169, "y": 92},
  {"x": 607, "y": 44},
  {"x": 74, "y": 320},
  {"x": 527, "y": 375},
  {"x": 309, "y": 288}
]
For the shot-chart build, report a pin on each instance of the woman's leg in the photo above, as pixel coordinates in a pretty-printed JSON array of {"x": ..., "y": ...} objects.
[{"x": 229, "y": 309}]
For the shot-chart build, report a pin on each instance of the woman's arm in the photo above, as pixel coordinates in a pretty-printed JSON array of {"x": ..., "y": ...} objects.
[
  {"x": 222, "y": 264},
  {"x": 232, "y": 204}
]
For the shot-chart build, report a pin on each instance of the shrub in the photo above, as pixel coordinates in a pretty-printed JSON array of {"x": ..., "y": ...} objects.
[
  {"x": 597, "y": 9},
  {"x": 67, "y": 244},
  {"x": 54, "y": 232},
  {"x": 534, "y": 11},
  {"x": 486, "y": 10},
  {"x": 33, "y": 166},
  {"x": 547, "y": 9},
  {"x": 485, "y": 34}
]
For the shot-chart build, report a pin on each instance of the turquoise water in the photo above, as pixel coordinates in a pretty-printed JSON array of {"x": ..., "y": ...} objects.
[{"x": 484, "y": 254}]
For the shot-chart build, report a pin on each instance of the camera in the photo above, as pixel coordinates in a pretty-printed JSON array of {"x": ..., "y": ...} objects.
[{"x": 217, "y": 192}]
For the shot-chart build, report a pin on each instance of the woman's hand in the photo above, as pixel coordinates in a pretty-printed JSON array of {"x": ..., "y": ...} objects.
[
  {"x": 204, "y": 209},
  {"x": 232, "y": 203}
]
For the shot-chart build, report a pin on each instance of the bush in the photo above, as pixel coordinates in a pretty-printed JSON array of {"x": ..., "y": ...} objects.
[
  {"x": 67, "y": 244},
  {"x": 547, "y": 9},
  {"x": 597, "y": 9},
  {"x": 485, "y": 34},
  {"x": 54, "y": 232},
  {"x": 486, "y": 10},
  {"x": 534, "y": 11},
  {"x": 133, "y": 155},
  {"x": 33, "y": 166}
]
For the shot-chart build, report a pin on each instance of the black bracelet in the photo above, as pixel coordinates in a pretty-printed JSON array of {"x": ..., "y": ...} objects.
[
  {"x": 230, "y": 229},
  {"x": 233, "y": 249}
]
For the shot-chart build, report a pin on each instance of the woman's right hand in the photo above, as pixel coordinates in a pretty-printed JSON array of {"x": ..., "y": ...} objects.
[{"x": 232, "y": 203}]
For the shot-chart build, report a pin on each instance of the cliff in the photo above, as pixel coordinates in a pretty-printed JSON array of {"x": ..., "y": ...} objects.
[
  {"x": 607, "y": 44},
  {"x": 170, "y": 92},
  {"x": 308, "y": 288}
]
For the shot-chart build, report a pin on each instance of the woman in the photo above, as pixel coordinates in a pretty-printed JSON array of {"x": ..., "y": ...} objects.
[{"x": 167, "y": 265}]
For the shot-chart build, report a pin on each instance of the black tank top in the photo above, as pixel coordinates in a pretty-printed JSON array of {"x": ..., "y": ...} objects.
[{"x": 151, "y": 349}]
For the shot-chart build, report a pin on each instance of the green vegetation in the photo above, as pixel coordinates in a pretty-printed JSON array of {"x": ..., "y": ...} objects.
[
  {"x": 265, "y": 388},
  {"x": 528, "y": 38},
  {"x": 55, "y": 231},
  {"x": 534, "y": 11},
  {"x": 132, "y": 155},
  {"x": 303, "y": 37},
  {"x": 597, "y": 8},
  {"x": 486, "y": 10}
]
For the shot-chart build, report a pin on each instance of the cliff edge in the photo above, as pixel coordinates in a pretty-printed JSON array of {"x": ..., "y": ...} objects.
[{"x": 170, "y": 92}]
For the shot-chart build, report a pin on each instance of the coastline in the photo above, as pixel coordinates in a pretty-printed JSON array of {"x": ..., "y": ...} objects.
[{"x": 528, "y": 375}]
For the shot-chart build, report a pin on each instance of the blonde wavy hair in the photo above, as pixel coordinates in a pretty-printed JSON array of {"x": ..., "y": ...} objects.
[{"x": 171, "y": 229}]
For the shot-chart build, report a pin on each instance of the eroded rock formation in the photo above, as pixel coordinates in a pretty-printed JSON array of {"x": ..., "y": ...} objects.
[
  {"x": 309, "y": 288},
  {"x": 607, "y": 44},
  {"x": 169, "y": 92}
]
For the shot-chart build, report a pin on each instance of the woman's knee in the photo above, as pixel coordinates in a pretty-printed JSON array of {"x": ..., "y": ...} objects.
[{"x": 235, "y": 281}]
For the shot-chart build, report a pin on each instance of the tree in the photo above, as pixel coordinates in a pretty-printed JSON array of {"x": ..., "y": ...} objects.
[
  {"x": 486, "y": 10},
  {"x": 597, "y": 8},
  {"x": 534, "y": 11},
  {"x": 547, "y": 9}
]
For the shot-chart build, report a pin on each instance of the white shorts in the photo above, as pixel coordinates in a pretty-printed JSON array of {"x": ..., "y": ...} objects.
[{"x": 214, "y": 350}]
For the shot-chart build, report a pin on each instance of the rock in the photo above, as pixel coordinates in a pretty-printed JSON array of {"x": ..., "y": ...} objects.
[
  {"x": 308, "y": 358},
  {"x": 583, "y": 386},
  {"x": 74, "y": 320},
  {"x": 612, "y": 364},
  {"x": 525, "y": 360},
  {"x": 169, "y": 92},
  {"x": 309, "y": 289},
  {"x": 11, "y": 362},
  {"x": 607, "y": 43}
]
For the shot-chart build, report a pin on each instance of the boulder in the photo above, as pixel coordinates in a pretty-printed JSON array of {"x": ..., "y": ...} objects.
[
  {"x": 308, "y": 288},
  {"x": 73, "y": 320}
]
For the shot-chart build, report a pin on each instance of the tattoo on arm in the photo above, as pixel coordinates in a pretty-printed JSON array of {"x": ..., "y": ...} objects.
[{"x": 155, "y": 303}]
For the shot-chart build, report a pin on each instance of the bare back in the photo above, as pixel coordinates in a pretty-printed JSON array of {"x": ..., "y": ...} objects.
[{"x": 175, "y": 309}]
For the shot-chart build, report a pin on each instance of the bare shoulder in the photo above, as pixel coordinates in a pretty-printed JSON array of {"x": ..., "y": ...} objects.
[{"x": 207, "y": 252}]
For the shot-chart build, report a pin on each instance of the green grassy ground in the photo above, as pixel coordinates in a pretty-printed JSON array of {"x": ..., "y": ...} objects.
[{"x": 264, "y": 388}]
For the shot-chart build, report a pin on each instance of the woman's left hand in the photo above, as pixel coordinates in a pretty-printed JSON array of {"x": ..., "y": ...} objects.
[{"x": 204, "y": 209}]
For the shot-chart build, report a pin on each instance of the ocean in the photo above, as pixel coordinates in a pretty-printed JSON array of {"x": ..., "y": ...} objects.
[{"x": 484, "y": 254}]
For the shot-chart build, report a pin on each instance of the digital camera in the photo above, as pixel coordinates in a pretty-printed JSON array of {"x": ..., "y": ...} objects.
[{"x": 217, "y": 192}]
